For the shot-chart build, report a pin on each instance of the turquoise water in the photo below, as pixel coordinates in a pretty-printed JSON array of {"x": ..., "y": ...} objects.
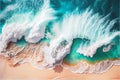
[
  {"x": 21, "y": 42},
  {"x": 103, "y": 7},
  {"x": 1, "y": 26},
  {"x": 74, "y": 57}
]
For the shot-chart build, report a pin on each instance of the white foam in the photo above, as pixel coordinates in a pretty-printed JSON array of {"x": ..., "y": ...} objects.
[
  {"x": 84, "y": 67},
  {"x": 94, "y": 28},
  {"x": 39, "y": 23},
  {"x": 56, "y": 51},
  {"x": 32, "y": 27},
  {"x": 7, "y": 10}
]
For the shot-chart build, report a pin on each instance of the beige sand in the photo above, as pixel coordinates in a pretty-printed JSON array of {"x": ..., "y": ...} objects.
[{"x": 27, "y": 72}]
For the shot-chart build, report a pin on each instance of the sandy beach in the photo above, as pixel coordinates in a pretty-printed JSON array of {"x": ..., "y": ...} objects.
[
  {"x": 27, "y": 72},
  {"x": 59, "y": 40}
]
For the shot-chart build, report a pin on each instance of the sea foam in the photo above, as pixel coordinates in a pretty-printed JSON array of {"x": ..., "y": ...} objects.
[
  {"x": 86, "y": 25},
  {"x": 35, "y": 26},
  {"x": 27, "y": 25}
]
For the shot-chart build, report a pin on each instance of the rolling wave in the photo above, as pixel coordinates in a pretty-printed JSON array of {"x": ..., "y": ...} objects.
[{"x": 61, "y": 26}]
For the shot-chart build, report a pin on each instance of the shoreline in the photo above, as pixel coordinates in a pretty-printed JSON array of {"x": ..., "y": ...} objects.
[
  {"x": 32, "y": 54},
  {"x": 84, "y": 67},
  {"x": 27, "y": 72}
]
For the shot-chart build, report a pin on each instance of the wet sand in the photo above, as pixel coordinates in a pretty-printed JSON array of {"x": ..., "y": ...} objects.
[{"x": 27, "y": 72}]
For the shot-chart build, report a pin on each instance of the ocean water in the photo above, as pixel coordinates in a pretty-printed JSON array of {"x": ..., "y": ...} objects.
[
  {"x": 91, "y": 26},
  {"x": 1, "y": 28},
  {"x": 21, "y": 42},
  {"x": 74, "y": 57}
]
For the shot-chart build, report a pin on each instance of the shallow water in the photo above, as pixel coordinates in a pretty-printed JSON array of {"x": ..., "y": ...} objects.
[
  {"x": 74, "y": 57},
  {"x": 64, "y": 21}
]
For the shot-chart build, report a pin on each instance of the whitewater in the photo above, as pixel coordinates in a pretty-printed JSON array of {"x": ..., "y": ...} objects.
[{"x": 94, "y": 30}]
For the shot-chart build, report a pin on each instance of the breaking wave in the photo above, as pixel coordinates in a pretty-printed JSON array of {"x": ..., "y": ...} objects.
[{"x": 35, "y": 21}]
